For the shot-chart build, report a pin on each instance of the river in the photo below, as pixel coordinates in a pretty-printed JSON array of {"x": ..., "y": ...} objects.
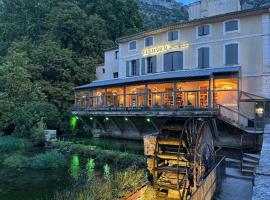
[{"x": 28, "y": 184}]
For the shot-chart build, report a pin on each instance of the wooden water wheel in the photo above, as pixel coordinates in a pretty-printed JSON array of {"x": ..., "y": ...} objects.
[{"x": 183, "y": 159}]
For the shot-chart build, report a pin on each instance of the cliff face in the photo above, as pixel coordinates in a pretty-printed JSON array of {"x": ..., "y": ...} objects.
[
  {"x": 162, "y": 12},
  {"x": 170, "y": 4}
]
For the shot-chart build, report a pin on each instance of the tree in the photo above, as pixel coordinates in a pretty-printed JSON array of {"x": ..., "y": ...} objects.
[
  {"x": 33, "y": 115},
  {"x": 15, "y": 87}
]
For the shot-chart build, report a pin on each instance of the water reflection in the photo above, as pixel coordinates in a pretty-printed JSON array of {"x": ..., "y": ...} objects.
[
  {"x": 75, "y": 169},
  {"x": 90, "y": 168}
]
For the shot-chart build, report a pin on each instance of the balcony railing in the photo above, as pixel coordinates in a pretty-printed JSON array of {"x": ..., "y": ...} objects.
[{"x": 172, "y": 100}]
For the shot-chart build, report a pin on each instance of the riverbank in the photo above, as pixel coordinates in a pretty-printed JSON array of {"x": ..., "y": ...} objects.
[{"x": 86, "y": 167}]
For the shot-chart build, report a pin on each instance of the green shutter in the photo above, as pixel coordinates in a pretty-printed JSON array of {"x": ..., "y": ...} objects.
[
  {"x": 154, "y": 60},
  {"x": 143, "y": 66},
  {"x": 137, "y": 67},
  {"x": 127, "y": 68}
]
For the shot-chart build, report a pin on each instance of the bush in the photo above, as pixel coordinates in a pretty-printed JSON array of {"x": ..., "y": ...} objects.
[
  {"x": 16, "y": 160},
  {"x": 9, "y": 143},
  {"x": 51, "y": 159}
]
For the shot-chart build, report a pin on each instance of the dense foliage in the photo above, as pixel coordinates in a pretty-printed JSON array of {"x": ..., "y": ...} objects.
[
  {"x": 9, "y": 143},
  {"x": 48, "y": 160},
  {"x": 48, "y": 47}
]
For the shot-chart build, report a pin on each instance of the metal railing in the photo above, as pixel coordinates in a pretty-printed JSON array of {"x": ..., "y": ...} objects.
[
  {"x": 172, "y": 100},
  {"x": 240, "y": 119}
]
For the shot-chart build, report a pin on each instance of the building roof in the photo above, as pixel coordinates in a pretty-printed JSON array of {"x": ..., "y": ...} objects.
[
  {"x": 111, "y": 48},
  {"x": 181, "y": 74},
  {"x": 195, "y": 22}
]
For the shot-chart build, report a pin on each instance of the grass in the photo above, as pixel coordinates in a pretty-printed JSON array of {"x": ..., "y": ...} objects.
[
  {"x": 9, "y": 143},
  {"x": 51, "y": 159},
  {"x": 120, "y": 184},
  {"x": 48, "y": 160},
  {"x": 116, "y": 158}
]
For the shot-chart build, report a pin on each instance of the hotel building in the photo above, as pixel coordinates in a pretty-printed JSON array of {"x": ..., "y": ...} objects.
[{"x": 215, "y": 64}]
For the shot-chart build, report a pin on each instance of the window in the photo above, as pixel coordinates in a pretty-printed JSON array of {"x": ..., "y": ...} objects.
[
  {"x": 173, "y": 61},
  {"x": 149, "y": 41},
  {"x": 103, "y": 70},
  {"x": 132, "y": 45},
  {"x": 151, "y": 64},
  {"x": 133, "y": 68},
  {"x": 116, "y": 55},
  {"x": 231, "y": 54},
  {"x": 115, "y": 75},
  {"x": 203, "y": 30},
  {"x": 203, "y": 57},
  {"x": 231, "y": 26},
  {"x": 172, "y": 35}
]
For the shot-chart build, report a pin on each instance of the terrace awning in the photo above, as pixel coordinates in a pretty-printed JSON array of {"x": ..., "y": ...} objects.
[{"x": 181, "y": 74}]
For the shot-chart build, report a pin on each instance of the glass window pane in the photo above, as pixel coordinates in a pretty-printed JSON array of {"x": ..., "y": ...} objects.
[
  {"x": 231, "y": 26},
  {"x": 132, "y": 45}
]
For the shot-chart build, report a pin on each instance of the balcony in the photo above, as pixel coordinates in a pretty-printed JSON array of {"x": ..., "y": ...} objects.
[{"x": 172, "y": 103}]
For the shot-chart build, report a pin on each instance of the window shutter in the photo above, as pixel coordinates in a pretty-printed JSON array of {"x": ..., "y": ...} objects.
[
  {"x": 154, "y": 60},
  {"x": 235, "y": 53},
  {"x": 200, "y": 58},
  {"x": 137, "y": 67},
  {"x": 175, "y": 35},
  {"x": 206, "y": 54},
  {"x": 200, "y": 31},
  {"x": 127, "y": 68},
  {"x": 167, "y": 62},
  {"x": 206, "y": 30},
  {"x": 231, "y": 53},
  {"x": 143, "y": 66},
  {"x": 175, "y": 60}
]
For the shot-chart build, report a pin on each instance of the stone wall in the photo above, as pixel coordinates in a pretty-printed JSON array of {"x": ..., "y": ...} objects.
[{"x": 262, "y": 176}]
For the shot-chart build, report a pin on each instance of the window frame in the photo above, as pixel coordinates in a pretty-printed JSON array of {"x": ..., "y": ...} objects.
[
  {"x": 210, "y": 56},
  {"x": 224, "y": 53},
  {"x": 203, "y": 36},
  {"x": 234, "y": 31},
  {"x": 178, "y": 39},
  {"x": 183, "y": 61},
  {"x": 132, "y": 50},
  {"x": 147, "y": 38}
]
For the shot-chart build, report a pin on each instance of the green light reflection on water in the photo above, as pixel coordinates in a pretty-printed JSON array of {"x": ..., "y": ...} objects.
[
  {"x": 90, "y": 167},
  {"x": 75, "y": 169}
]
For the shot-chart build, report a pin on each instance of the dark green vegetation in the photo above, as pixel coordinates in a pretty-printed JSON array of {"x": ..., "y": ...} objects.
[
  {"x": 8, "y": 144},
  {"x": 118, "y": 159},
  {"x": 116, "y": 186},
  {"x": 156, "y": 15},
  {"x": 47, "y": 48},
  {"x": 80, "y": 172}
]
